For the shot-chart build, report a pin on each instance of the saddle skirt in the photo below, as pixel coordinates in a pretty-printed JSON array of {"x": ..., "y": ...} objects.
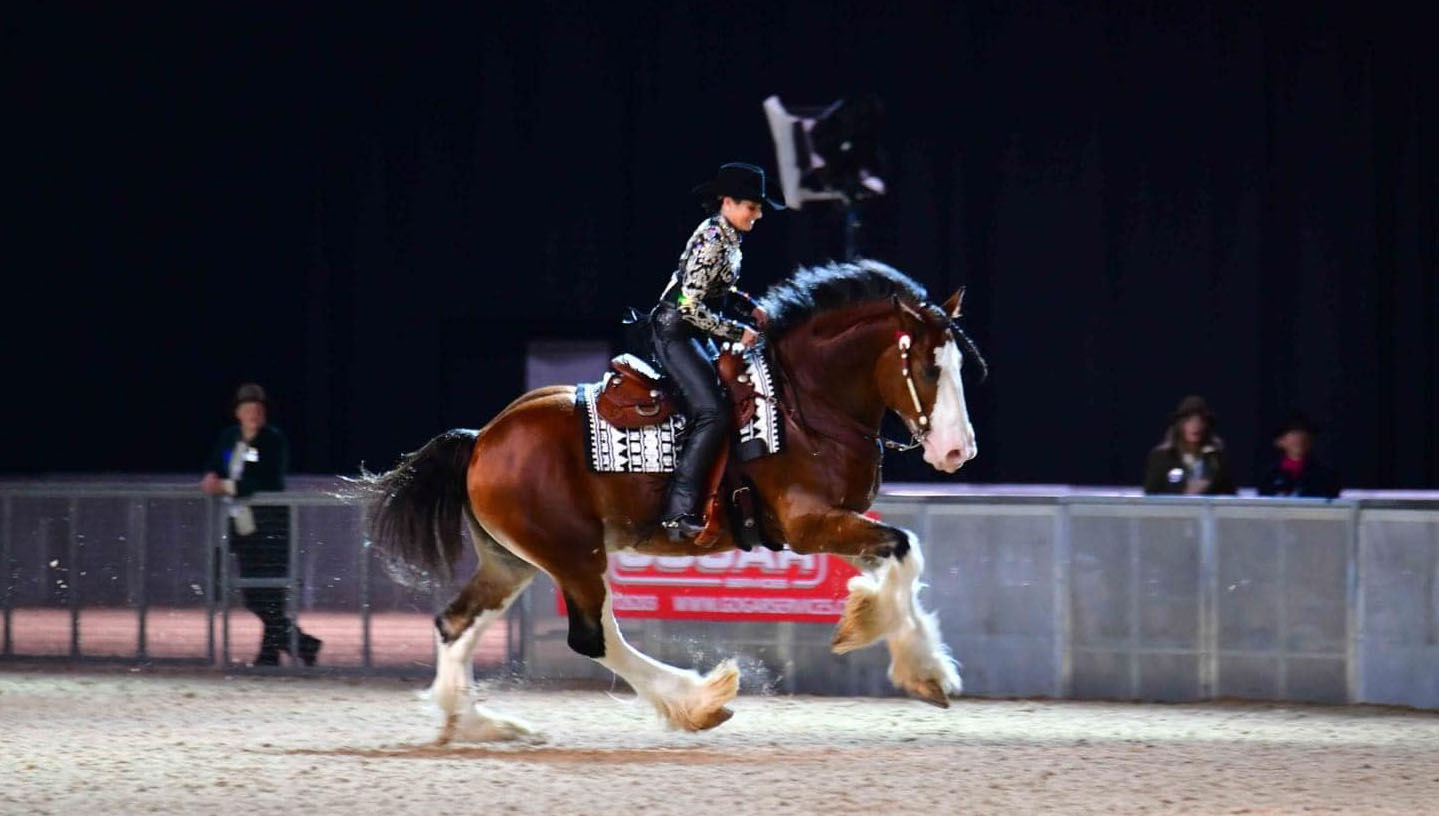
[{"x": 631, "y": 425}]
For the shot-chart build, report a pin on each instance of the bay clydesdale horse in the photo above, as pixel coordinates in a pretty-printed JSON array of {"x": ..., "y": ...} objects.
[{"x": 851, "y": 341}]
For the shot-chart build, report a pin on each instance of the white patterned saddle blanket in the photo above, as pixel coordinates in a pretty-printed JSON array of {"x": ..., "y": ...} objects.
[{"x": 653, "y": 449}]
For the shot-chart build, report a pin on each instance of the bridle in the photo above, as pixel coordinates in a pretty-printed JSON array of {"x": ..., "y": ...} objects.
[
  {"x": 920, "y": 434},
  {"x": 921, "y": 418},
  {"x": 919, "y": 428}
]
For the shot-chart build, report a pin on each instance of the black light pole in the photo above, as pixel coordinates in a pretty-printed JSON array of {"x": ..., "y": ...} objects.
[{"x": 851, "y": 228}]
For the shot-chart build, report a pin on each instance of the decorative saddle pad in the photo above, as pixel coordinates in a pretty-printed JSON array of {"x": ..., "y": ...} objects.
[{"x": 652, "y": 449}]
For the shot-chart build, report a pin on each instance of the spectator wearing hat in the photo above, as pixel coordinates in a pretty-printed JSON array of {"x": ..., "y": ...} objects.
[
  {"x": 250, "y": 457},
  {"x": 1190, "y": 460},
  {"x": 1296, "y": 471}
]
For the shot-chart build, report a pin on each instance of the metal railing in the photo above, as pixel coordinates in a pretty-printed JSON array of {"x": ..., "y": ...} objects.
[
  {"x": 1059, "y": 594},
  {"x": 89, "y": 568},
  {"x": 1123, "y": 597},
  {"x": 60, "y": 507}
]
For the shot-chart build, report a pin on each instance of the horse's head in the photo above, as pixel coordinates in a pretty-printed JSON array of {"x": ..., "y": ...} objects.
[{"x": 919, "y": 379}]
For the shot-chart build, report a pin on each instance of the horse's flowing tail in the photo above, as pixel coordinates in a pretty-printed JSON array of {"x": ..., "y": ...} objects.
[{"x": 416, "y": 510}]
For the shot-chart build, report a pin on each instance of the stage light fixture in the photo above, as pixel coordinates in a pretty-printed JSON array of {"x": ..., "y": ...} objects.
[{"x": 828, "y": 153}]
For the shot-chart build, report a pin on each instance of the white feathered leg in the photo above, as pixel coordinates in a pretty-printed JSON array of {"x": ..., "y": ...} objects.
[
  {"x": 453, "y": 689},
  {"x": 920, "y": 662},
  {"x": 682, "y": 697},
  {"x": 885, "y": 604}
]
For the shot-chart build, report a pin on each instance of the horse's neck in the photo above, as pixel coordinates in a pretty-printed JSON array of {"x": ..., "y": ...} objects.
[{"x": 833, "y": 358}]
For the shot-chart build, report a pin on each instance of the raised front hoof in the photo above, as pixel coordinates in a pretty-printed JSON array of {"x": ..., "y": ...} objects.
[{"x": 930, "y": 691}]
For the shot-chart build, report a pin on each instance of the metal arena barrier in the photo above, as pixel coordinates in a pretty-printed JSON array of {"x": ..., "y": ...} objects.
[
  {"x": 137, "y": 572},
  {"x": 1060, "y": 595}
]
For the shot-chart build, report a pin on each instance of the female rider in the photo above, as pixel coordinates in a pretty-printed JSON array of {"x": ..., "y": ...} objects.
[{"x": 689, "y": 312}]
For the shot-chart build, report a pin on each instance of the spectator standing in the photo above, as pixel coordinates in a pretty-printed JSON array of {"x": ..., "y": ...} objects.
[
  {"x": 1296, "y": 471},
  {"x": 1190, "y": 460},
  {"x": 250, "y": 457}
]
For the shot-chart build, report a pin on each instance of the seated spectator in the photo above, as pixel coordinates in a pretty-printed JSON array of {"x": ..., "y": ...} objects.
[
  {"x": 1190, "y": 460},
  {"x": 1297, "y": 472}
]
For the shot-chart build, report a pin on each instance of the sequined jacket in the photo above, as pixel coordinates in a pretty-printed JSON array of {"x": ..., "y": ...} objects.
[{"x": 706, "y": 277}]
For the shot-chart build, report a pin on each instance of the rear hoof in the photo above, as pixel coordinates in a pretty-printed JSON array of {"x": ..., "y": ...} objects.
[
  {"x": 447, "y": 733},
  {"x": 703, "y": 707},
  {"x": 716, "y": 718},
  {"x": 479, "y": 725}
]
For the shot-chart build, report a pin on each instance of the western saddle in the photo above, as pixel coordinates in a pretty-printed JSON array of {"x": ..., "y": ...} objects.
[{"x": 637, "y": 396}]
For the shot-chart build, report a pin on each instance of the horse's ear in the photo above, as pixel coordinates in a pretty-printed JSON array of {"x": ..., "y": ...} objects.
[{"x": 952, "y": 306}]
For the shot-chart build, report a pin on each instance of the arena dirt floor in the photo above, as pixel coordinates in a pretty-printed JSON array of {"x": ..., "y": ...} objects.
[{"x": 116, "y": 742}]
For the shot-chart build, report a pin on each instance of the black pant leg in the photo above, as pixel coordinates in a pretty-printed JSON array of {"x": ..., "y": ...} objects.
[
  {"x": 266, "y": 554},
  {"x": 681, "y": 352}
]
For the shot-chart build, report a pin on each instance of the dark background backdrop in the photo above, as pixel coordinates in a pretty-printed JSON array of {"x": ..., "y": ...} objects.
[{"x": 371, "y": 214}]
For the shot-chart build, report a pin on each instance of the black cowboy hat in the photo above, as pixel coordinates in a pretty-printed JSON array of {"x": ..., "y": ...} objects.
[
  {"x": 1191, "y": 405},
  {"x": 1296, "y": 421},
  {"x": 742, "y": 182},
  {"x": 250, "y": 392}
]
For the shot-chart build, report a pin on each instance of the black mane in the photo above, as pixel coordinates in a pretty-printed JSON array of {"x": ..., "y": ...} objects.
[{"x": 812, "y": 291}]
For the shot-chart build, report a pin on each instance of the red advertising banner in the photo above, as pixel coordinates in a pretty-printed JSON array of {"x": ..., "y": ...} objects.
[{"x": 761, "y": 585}]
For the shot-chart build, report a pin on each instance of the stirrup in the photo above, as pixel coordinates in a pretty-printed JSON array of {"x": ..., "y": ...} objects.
[{"x": 685, "y": 525}]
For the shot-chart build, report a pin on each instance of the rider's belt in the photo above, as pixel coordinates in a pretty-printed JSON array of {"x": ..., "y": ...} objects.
[{"x": 672, "y": 296}]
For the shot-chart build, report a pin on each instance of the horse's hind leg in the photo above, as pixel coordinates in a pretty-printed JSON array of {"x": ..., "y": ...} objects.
[
  {"x": 498, "y": 582},
  {"x": 682, "y": 697}
]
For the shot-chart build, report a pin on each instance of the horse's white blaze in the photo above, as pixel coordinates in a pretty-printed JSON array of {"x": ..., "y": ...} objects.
[
  {"x": 684, "y": 698},
  {"x": 951, "y": 438}
]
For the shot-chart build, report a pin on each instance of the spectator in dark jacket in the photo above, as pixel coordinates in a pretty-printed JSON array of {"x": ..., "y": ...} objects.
[
  {"x": 251, "y": 457},
  {"x": 1191, "y": 459},
  {"x": 1296, "y": 471}
]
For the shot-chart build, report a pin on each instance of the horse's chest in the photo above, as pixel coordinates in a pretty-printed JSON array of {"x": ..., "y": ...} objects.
[{"x": 854, "y": 484}]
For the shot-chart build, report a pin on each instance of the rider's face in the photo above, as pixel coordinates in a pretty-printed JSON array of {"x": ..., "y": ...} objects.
[{"x": 741, "y": 214}]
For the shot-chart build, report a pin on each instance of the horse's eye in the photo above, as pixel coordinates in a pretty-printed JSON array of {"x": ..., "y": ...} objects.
[{"x": 932, "y": 372}]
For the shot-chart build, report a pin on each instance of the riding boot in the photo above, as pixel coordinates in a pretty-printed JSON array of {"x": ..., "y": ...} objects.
[{"x": 684, "y": 515}]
